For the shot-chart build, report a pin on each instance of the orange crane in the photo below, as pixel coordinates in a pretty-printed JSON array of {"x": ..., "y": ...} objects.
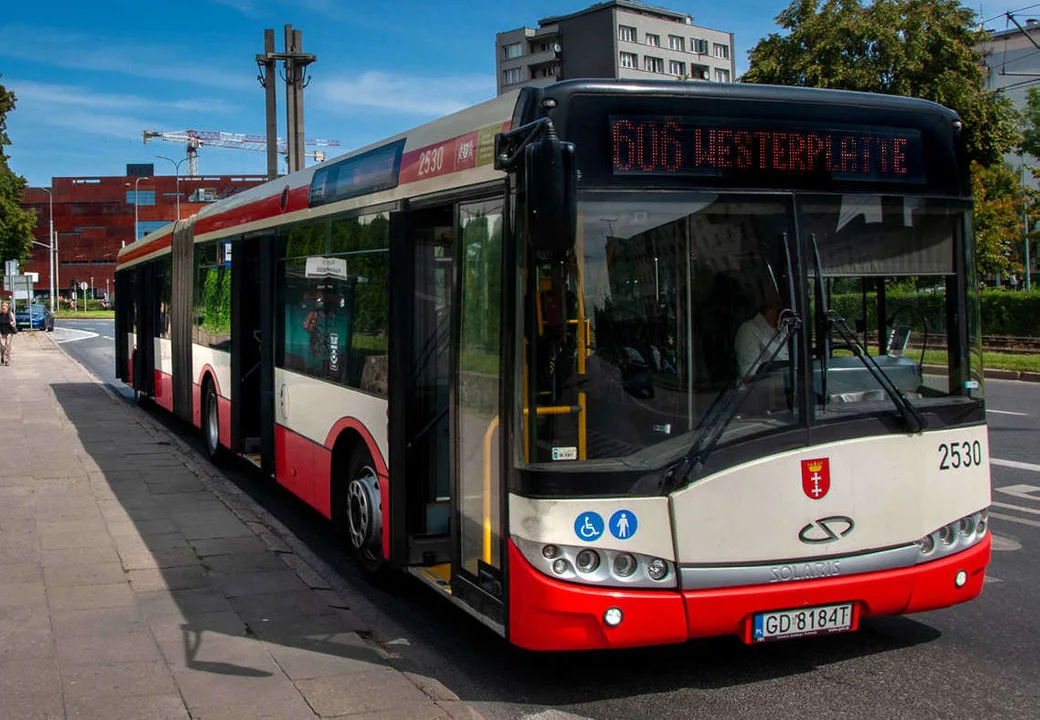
[{"x": 196, "y": 139}]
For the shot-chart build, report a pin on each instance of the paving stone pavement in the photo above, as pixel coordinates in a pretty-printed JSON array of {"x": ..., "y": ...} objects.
[{"x": 134, "y": 585}]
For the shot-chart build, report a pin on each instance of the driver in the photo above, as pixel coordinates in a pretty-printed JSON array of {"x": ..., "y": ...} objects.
[{"x": 754, "y": 335}]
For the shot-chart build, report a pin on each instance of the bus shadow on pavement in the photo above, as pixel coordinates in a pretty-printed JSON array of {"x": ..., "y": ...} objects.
[{"x": 216, "y": 598}]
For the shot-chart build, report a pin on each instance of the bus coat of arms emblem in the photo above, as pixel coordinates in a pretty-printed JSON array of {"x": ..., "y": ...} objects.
[{"x": 816, "y": 477}]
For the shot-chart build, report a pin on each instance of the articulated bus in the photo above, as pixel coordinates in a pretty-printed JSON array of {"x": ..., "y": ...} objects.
[{"x": 607, "y": 364}]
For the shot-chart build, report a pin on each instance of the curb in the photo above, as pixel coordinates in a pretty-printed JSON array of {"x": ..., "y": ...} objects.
[
  {"x": 1022, "y": 375},
  {"x": 315, "y": 573}
]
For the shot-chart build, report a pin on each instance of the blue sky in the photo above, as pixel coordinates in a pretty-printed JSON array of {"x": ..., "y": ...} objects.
[{"x": 91, "y": 76}]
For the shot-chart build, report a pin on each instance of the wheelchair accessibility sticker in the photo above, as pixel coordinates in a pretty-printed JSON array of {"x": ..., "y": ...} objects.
[
  {"x": 623, "y": 524},
  {"x": 588, "y": 526}
]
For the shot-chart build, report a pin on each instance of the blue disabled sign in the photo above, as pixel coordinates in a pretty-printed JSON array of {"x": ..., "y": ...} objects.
[
  {"x": 588, "y": 526},
  {"x": 623, "y": 524}
]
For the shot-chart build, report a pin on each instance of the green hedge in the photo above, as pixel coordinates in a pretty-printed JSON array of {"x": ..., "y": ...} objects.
[
  {"x": 1006, "y": 312},
  {"x": 1003, "y": 312}
]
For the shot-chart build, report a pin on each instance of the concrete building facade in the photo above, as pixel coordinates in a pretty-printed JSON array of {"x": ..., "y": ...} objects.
[
  {"x": 615, "y": 39},
  {"x": 95, "y": 216}
]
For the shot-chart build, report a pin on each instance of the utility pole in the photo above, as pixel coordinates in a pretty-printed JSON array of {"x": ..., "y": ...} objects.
[
  {"x": 294, "y": 62},
  {"x": 265, "y": 63},
  {"x": 1025, "y": 215}
]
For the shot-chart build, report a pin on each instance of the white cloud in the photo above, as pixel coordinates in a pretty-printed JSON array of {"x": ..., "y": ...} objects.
[
  {"x": 404, "y": 94},
  {"x": 107, "y": 114},
  {"x": 79, "y": 51}
]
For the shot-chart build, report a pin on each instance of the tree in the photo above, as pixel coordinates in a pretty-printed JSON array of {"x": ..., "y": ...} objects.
[
  {"x": 917, "y": 48},
  {"x": 998, "y": 211},
  {"x": 16, "y": 225}
]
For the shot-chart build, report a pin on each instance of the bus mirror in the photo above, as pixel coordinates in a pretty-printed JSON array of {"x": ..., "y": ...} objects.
[{"x": 551, "y": 187}]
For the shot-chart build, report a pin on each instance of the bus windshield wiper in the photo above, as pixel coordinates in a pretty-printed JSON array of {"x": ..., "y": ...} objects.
[
  {"x": 725, "y": 408},
  {"x": 910, "y": 415}
]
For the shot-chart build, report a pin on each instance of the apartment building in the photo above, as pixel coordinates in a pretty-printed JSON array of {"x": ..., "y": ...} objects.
[{"x": 615, "y": 39}]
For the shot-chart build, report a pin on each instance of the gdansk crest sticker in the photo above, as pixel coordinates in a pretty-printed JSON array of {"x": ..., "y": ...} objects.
[{"x": 816, "y": 477}]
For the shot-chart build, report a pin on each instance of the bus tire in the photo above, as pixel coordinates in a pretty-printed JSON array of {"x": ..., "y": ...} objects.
[
  {"x": 211, "y": 424},
  {"x": 359, "y": 515}
]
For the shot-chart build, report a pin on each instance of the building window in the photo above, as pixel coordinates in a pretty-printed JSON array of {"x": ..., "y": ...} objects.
[
  {"x": 699, "y": 46},
  {"x": 513, "y": 51},
  {"x": 676, "y": 43},
  {"x": 721, "y": 75},
  {"x": 676, "y": 68},
  {"x": 547, "y": 71},
  {"x": 512, "y": 75},
  {"x": 653, "y": 64},
  {"x": 721, "y": 51},
  {"x": 653, "y": 40},
  {"x": 626, "y": 33},
  {"x": 628, "y": 60},
  {"x": 144, "y": 197}
]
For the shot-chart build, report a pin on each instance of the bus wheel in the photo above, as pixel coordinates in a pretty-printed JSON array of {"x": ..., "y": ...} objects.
[
  {"x": 211, "y": 424},
  {"x": 361, "y": 513}
]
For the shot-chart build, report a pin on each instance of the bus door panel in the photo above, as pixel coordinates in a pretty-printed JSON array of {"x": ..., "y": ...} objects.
[
  {"x": 421, "y": 261},
  {"x": 252, "y": 368},
  {"x": 477, "y": 579},
  {"x": 147, "y": 302}
]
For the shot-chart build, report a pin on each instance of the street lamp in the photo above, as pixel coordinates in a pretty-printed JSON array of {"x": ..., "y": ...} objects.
[
  {"x": 50, "y": 242},
  {"x": 137, "y": 229},
  {"x": 177, "y": 170}
]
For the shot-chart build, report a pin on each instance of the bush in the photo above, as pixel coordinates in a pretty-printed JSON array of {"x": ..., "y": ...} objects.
[
  {"x": 1007, "y": 312},
  {"x": 1003, "y": 312}
]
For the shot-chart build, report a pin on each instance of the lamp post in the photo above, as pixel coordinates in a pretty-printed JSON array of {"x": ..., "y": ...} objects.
[
  {"x": 137, "y": 229},
  {"x": 177, "y": 170},
  {"x": 50, "y": 243}
]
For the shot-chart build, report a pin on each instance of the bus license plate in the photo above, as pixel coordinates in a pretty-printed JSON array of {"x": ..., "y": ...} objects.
[{"x": 799, "y": 623}]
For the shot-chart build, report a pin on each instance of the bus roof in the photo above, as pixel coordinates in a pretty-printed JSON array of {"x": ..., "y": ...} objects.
[{"x": 464, "y": 138}]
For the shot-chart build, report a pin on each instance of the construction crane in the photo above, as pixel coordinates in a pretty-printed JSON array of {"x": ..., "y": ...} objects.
[{"x": 196, "y": 139}]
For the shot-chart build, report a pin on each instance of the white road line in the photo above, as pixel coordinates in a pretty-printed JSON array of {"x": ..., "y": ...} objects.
[
  {"x": 1009, "y": 506},
  {"x": 1020, "y": 521},
  {"x": 1007, "y": 412},
  {"x": 64, "y": 335},
  {"x": 1014, "y": 464}
]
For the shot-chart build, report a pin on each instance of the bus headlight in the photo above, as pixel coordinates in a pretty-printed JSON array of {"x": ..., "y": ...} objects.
[
  {"x": 624, "y": 565},
  {"x": 953, "y": 537},
  {"x": 598, "y": 566},
  {"x": 657, "y": 569},
  {"x": 587, "y": 561}
]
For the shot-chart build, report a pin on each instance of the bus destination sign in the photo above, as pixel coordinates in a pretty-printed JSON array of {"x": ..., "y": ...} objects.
[{"x": 715, "y": 147}]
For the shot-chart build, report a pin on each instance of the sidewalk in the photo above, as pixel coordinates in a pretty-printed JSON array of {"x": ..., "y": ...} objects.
[{"x": 134, "y": 584}]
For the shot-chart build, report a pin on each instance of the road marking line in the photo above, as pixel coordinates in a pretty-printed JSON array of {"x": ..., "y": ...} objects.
[
  {"x": 1026, "y": 492},
  {"x": 1009, "y": 506},
  {"x": 70, "y": 335},
  {"x": 991, "y": 579},
  {"x": 1014, "y": 464},
  {"x": 1020, "y": 521},
  {"x": 1007, "y": 412}
]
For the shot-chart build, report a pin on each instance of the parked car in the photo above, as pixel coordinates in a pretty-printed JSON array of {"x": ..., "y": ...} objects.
[{"x": 41, "y": 318}]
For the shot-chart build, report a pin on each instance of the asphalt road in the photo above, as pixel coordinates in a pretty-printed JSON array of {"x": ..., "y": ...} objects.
[{"x": 978, "y": 659}]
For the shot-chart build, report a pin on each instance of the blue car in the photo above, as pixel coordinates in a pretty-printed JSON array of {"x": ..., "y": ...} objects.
[{"x": 41, "y": 318}]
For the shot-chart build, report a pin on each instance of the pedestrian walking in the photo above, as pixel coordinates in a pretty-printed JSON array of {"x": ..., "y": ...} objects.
[{"x": 7, "y": 331}]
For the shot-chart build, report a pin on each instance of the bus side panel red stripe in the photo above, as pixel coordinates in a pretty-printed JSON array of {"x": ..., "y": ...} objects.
[
  {"x": 196, "y": 405},
  {"x": 224, "y": 421},
  {"x": 294, "y": 463},
  {"x": 321, "y": 487},
  {"x": 546, "y": 614},
  {"x": 163, "y": 390}
]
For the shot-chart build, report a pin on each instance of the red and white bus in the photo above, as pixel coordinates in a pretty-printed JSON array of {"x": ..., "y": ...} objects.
[{"x": 608, "y": 364}]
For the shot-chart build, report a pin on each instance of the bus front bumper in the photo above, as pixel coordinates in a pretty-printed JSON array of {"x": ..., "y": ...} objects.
[{"x": 546, "y": 614}]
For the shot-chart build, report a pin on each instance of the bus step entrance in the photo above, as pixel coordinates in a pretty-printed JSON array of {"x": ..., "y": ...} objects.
[{"x": 438, "y": 576}]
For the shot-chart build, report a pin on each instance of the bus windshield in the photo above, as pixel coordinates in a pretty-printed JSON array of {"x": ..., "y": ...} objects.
[
  {"x": 633, "y": 346},
  {"x": 671, "y": 298}
]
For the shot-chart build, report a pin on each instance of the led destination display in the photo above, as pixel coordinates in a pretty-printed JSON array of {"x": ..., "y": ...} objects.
[{"x": 691, "y": 146}]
